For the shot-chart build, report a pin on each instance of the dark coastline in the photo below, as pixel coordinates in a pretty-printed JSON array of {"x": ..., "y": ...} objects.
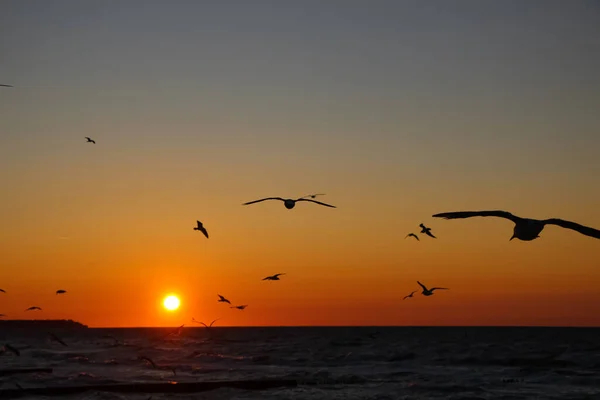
[{"x": 46, "y": 324}]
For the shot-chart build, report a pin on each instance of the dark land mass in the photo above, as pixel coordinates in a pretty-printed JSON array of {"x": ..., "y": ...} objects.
[{"x": 54, "y": 325}]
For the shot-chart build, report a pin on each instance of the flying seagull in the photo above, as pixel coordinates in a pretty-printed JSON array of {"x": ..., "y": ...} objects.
[
  {"x": 410, "y": 295},
  {"x": 148, "y": 360},
  {"x": 56, "y": 339},
  {"x": 207, "y": 326},
  {"x": 312, "y": 196},
  {"x": 2, "y": 290},
  {"x": 526, "y": 229},
  {"x": 90, "y": 140},
  {"x": 426, "y": 231},
  {"x": 289, "y": 203},
  {"x": 61, "y": 291},
  {"x": 429, "y": 292},
  {"x": 201, "y": 228},
  {"x": 413, "y": 235},
  {"x": 273, "y": 277},
  {"x": 223, "y": 299},
  {"x": 33, "y": 308},
  {"x": 6, "y": 85},
  {"x": 240, "y": 307}
]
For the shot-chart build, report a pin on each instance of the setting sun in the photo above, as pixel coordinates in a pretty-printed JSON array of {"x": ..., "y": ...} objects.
[{"x": 171, "y": 303}]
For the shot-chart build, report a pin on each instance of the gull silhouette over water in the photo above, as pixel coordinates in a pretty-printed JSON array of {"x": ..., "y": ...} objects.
[
  {"x": 223, "y": 299},
  {"x": 426, "y": 231},
  {"x": 2, "y": 290},
  {"x": 525, "y": 229},
  {"x": 56, "y": 339},
  {"x": 429, "y": 292},
  {"x": 289, "y": 203},
  {"x": 90, "y": 140},
  {"x": 410, "y": 295},
  {"x": 33, "y": 308},
  {"x": 61, "y": 291},
  {"x": 240, "y": 307},
  {"x": 201, "y": 228},
  {"x": 273, "y": 277},
  {"x": 206, "y": 326},
  {"x": 413, "y": 235}
]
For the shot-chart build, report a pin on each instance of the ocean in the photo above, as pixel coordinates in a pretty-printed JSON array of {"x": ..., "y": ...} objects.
[{"x": 326, "y": 362}]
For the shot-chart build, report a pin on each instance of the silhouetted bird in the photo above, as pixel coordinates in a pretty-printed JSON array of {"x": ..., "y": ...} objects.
[
  {"x": 273, "y": 277},
  {"x": 240, "y": 307},
  {"x": 61, "y": 292},
  {"x": 8, "y": 347},
  {"x": 207, "y": 326},
  {"x": 312, "y": 196},
  {"x": 413, "y": 235},
  {"x": 289, "y": 203},
  {"x": 148, "y": 360},
  {"x": 6, "y": 85},
  {"x": 526, "y": 229},
  {"x": 201, "y": 228},
  {"x": 56, "y": 339},
  {"x": 223, "y": 299},
  {"x": 33, "y": 308},
  {"x": 2, "y": 290},
  {"x": 426, "y": 231},
  {"x": 429, "y": 292},
  {"x": 410, "y": 295},
  {"x": 90, "y": 140}
]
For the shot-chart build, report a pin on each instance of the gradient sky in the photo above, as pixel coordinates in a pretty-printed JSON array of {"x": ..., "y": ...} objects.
[{"x": 397, "y": 110}]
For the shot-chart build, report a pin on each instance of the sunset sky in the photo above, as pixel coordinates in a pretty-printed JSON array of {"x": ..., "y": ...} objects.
[{"x": 397, "y": 110}]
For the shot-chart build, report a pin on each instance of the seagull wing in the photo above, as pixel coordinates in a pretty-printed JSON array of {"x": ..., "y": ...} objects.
[
  {"x": 204, "y": 324},
  {"x": 423, "y": 286},
  {"x": 211, "y": 324},
  {"x": 428, "y": 233},
  {"x": 439, "y": 288},
  {"x": 204, "y": 231},
  {"x": 266, "y": 198},
  {"x": 276, "y": 275},
  {"x": 469, "y": 214},
  {"x": 267, "y": 278},
  {"x": 6, "y": 85},
  {"x": 584, "y": 230},
  {"x": 318, "y": 202}
]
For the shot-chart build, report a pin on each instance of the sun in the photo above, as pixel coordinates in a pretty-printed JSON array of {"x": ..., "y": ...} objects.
[{"x": 171, "y": 303}]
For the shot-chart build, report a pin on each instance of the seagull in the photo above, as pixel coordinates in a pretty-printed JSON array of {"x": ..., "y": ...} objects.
[
  {"x": 410, "y": 295},
  {"x": 33, "y": 308},
  {"x": 61, "y": 291},
  {"x": 223, "y": 299},
  {"x": 207, "y": 326},
  {"x": 429, "y": 292},
  {"x": 413, "y": 235},
  {"x": 312, "y": 196},
  {"x": 240, "y": 307},
  {"x": 6, "y": 85},
  {"x": 426, "y": 231},
  {"x": 90, "y": 140},
  {"x": 2, "y": 290},
  {"x": 289, "y": 203},
  {"x": 525, "y": 229},
  {"x": 56, "y": 339},
  {"x": 201, "y": 228},
  {"x": 272, "y": 277},
  {"x": 8, "y": 347}
]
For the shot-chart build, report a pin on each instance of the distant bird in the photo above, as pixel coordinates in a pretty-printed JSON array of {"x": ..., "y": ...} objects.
[
  {"x": 410, "y": 295},
  {"x": 289, "y": 203},
  {"x": 201, "y": 228},
  {"x": 90, "y": 140},
  {"x": 426, "y": 231},
  {"x": 56, "y": 339},
  {"x": 6, "y": 85},
  {"x": 525, "y": 229},
  {"x": 312, "y": 196},
  {"x": 223, "y": 299},
  {"x": 207, "y": 326},
  {"x": 8, "y": 347},
  {"x": 413, "y": 235},
  {"x": 176, "y": 332},
  {"x": 429, "y": 292},
  {"x": 273, "y": 277},
  {"x": 33, "y": 308},
  {"x": 61, "y": 292},
  {"x": 240, "y": 307},
  {"x": 2, "y": 290},
  {"x": 148, "y": 360}
]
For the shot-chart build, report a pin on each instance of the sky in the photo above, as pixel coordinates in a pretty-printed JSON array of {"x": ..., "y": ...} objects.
[{"x": 396, "y": 110}]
